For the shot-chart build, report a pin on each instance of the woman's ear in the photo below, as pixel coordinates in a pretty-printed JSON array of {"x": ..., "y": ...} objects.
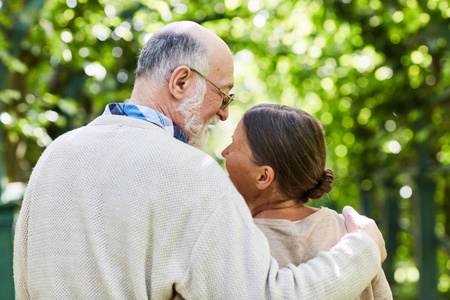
[
  {"x": 179, "y": 82},
  {"x": 266, "y": 177}
]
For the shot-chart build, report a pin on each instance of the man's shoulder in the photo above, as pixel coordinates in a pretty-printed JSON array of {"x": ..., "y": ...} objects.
[
  {"x": 143, "y": 144},
  {"x": 152, "y": 144}
]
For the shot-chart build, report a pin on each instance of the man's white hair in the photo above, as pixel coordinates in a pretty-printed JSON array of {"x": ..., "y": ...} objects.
[{"x": 167, "y": 50}]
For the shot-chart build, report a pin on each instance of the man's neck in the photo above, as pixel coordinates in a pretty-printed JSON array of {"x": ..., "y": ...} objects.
[{"x": 145, "y": 94}]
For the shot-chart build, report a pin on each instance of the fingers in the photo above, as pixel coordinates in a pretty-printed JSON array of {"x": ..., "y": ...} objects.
[
  {"x": 354, "y": 222},
  {"x": 383, "y": 251},
  {"x": 349, "y": 211}
]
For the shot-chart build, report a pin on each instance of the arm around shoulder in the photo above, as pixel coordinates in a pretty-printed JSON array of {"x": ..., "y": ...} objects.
[
  {"x": 341, "y": 273},
  {"x": 231, "y": 259}
]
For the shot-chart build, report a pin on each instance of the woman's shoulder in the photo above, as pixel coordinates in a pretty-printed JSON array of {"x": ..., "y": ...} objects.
[
  {"x": 323, "y": 216},
  {"x": 322, "y": 227},
  {"x": 325, "y": 212},
  {"x": 330, "y": 212},
  {"x": 331, "y": 217}
]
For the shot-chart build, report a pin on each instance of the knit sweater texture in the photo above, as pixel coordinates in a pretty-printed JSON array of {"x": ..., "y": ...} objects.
[
  {"x": 298, "y": 242},
  {"x": 119, "y": 209}
]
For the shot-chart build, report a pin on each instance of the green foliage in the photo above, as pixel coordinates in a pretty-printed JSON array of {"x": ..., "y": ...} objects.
[{"x": 376, "y": 73}]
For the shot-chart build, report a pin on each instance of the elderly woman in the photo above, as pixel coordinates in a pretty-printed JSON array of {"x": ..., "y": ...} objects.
[{"x": 277, "y": 162}]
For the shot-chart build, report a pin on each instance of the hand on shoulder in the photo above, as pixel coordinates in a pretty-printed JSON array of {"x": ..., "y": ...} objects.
[{"x": 354, "y": 222}]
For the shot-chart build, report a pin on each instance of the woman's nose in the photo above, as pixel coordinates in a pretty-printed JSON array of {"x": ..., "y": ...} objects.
[{"x": 225, "y": 152}]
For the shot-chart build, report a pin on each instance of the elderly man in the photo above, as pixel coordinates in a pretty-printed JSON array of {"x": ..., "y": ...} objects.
[{"x": 124, "y": 208}]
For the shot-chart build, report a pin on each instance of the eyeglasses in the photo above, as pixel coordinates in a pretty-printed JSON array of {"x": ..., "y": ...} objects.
[{"x": 226, "y": 98}]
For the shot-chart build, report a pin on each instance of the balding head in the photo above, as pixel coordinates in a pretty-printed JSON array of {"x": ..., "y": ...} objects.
[
  {"x": 176, "y": 44},
  {"x": 206, "y": 37}
]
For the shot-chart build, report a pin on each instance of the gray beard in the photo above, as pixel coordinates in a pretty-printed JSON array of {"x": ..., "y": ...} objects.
[{"x": 196, "y": 131}]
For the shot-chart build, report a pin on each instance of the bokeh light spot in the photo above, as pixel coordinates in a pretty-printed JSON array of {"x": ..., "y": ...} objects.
[
  {"x": 383, "y": 73},
  {"x": 394, "y": 147},
  {"x": 366, "y": 185},
  {"x": 390, "y": 125},
  {"x": 406, "y": 192},
  {"x": 66, "y": 37},
  {"x": 71, "y": 3},
  {"x": 96, "y": 70},
  {"x": 5, "y": 118},
  {"x": 340, "y": 150}
]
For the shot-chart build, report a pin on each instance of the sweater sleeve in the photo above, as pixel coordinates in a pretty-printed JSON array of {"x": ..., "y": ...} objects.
[
  {"x": 231, "y": 260},
  {"x": 381, "y": 288}
]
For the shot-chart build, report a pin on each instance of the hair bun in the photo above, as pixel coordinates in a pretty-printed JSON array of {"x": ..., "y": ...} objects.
[{"x": 323, "y": 186}]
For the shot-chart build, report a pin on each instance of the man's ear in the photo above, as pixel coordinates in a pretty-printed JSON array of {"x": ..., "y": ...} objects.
[
  {"x": 179, "y": 82},
  {"x": 266, "y": 177}
]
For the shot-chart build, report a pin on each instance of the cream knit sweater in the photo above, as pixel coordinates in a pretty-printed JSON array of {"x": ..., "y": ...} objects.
[
  {"x": 298, "y": 242},
  {"x": 119, "y": 209}
]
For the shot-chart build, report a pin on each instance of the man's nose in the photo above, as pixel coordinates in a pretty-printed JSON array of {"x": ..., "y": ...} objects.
[{"x": 223, "y": 114}]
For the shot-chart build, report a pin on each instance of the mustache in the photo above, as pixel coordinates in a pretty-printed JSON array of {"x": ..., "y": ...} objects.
[{"x": 213, "y": 121}]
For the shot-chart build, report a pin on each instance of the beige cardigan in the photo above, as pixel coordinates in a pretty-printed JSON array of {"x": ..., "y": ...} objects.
[
  {"x": 298, "y": 242},
  {"x": 119, "y": 209}
]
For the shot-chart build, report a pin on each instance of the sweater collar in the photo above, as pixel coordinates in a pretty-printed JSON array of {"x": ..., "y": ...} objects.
[{"x": 146, "y": 114}]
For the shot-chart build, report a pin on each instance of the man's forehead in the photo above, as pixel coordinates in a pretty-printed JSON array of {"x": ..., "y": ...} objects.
[{"x": 224, "y": 75}]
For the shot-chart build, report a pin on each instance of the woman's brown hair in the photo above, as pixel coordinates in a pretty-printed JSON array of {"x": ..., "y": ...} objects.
[{"x": 292, "y": 142}]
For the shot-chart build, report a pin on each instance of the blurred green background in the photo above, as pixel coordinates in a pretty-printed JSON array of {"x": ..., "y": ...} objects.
[{"x": 375, "y": 73}]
